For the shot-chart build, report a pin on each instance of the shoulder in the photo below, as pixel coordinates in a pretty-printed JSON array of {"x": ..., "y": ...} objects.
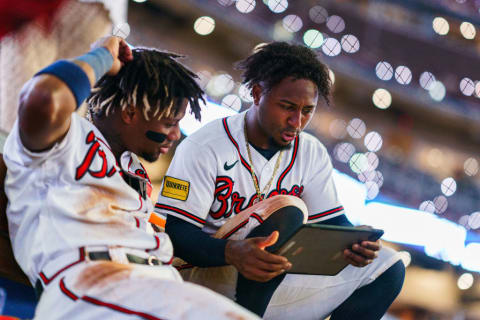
[
  {"x": 311, "y": 145},
  {"x": 215, "y": 133},
  {"x": 15, "y": 151}
]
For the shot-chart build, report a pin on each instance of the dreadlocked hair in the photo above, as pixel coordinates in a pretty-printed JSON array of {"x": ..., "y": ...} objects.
[
  {"x": 271, "y": 63},
  {"x": 153, "y": 81}
]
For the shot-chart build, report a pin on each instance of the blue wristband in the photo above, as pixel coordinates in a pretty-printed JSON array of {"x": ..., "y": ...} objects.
[
  {"x": 99, "y": 59},
  {"x": 73, "y": 76}
]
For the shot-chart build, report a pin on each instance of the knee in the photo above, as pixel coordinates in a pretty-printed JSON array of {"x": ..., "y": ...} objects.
[
  {"x": 287, "y": 216},
  {"x": 395, "y": 275},
  {"x": 285, "y": 220}
]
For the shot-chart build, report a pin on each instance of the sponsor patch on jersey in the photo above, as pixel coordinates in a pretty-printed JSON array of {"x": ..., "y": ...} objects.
[{"x": 175, "y": 188}]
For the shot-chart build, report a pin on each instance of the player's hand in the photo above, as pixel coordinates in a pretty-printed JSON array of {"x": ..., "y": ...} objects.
[
  {"x": 252, "y": 261},
  {"x": 119, "y": 49},
  {"x": 363, "y": 253}
]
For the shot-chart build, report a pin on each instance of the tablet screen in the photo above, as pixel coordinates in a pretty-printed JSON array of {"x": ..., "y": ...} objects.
[{"x": 318, "y": 249}]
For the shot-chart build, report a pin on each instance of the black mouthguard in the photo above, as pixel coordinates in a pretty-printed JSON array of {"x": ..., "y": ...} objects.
[{"x": 156, "y": 136}]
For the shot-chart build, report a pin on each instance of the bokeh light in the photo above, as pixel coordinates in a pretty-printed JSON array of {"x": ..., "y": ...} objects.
[
  {"x": 220, "y": 84},
  {"x": 292, "y": 23},
  {"x": 378, "y": 178},
  {"x": 313, "y": 38},
  {"x": 468, "y": 30},
  {"x": 373, "y": 160},
  {"x": 435, "y": 157},
  {"x": 372, "y": 190},
  {"x": 381, "y": 98},
  {"x": 356, "y": 128},
  {"x": 373, "y": 141},
  {"x": 350, "y": 43},
  {"x": 441, "y": 204},
  {"x": 204, "y": 77},
  {"x": 245, "y": 93},
  {"x": 336, "y": 24},
  {"x": 280, "y": 33},
  {"x": 470, "y": 166},
  {"x": 245, "y": 6},
  {"x": 465, "y": 281},
  {"x": 474, "y": 220},
  {"x": 343, "y": 151},
  {"x": 232, "y": 101},
  {"x": 437, "y": 91},
  {"x": 440, "y": 26},
  {"x": 226, "y": 3},
  {"x": 337, "y": 129},
  {"x": 448, "y": 186},
  {"x": 427, "y": 206},
  {"x": 463, "y": 221},
  {"x": 467, "y": 87},
  {"x": 366, "y": 176},
  {"x": 331, "y": 47},
  {"x": 403, "y": 75},
  {"x": 384, "y": 70},
  {"x": 427, "y": 79},
  {"x": 121, "y": 30},
  {"x": 277, "y": 6},
  {"x": 358, "y": 163},
  {"x": 318, "y": 14},
  {"x": 204, "y": 25}
]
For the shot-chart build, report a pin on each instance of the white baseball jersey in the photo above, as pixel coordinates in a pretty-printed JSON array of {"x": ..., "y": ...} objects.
[
  {"x": 209, "y": 179},
  {"x": 73, "y": 195},
  {"x": 73, "y": 198}
]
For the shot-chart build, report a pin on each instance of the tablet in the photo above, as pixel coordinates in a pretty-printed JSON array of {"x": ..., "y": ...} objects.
[{"x": 318, "y": 249}]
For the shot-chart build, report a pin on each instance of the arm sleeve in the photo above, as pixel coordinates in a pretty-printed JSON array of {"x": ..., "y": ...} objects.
[
  {"x": 16, "y": 153},
  {"x": 320, "y": 194},
  {"x": 189, "y": 184},
  {"x": 195, "y": 246}
]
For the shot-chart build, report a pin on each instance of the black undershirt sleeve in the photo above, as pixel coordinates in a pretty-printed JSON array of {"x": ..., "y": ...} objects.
[
  {"x": 341, "y": 220},
  {"x": 193, "y": 245}
]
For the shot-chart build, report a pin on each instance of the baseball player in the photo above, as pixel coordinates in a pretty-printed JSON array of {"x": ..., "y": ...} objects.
[
  {"x": 231, "y": 164},
  {"x": 78, "y": 197}
]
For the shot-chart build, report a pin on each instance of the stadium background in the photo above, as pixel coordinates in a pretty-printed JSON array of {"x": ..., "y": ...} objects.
[{"x": 403, "y": 129}]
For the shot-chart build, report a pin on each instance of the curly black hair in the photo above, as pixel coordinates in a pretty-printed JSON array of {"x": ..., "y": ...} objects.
[
  {"x": 271, "y": 63},
  {"x": 153, "y": 81}
]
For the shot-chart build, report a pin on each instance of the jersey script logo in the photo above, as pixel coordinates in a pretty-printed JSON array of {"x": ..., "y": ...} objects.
[
  {"x": 175, "y": 188},
  {"x": 232, "y": 202},
  {"x": 94, "y": 152},
  {"x": 228, "y": 167}
]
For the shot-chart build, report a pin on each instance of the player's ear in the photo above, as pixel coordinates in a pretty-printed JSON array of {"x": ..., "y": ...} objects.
[
  {"x": 257, "y": 90},
  {"x": 129, "y": 114}
]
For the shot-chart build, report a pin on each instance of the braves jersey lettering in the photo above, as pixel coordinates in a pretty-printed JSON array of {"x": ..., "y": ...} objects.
[
  {"x": 233, "y": 202},
  {"x": 95, "y": 150},
  {"x": 213, "y": 159}
]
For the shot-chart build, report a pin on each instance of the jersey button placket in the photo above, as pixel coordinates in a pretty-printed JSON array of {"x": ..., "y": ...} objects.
[{"x": 265, "y": 176}]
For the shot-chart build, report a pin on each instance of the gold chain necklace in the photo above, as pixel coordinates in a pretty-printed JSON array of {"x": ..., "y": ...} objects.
[{"x": 255, "y": 182}]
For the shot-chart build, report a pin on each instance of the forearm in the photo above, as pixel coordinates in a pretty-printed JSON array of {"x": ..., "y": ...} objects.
[{"x": 193, "y": 245}]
